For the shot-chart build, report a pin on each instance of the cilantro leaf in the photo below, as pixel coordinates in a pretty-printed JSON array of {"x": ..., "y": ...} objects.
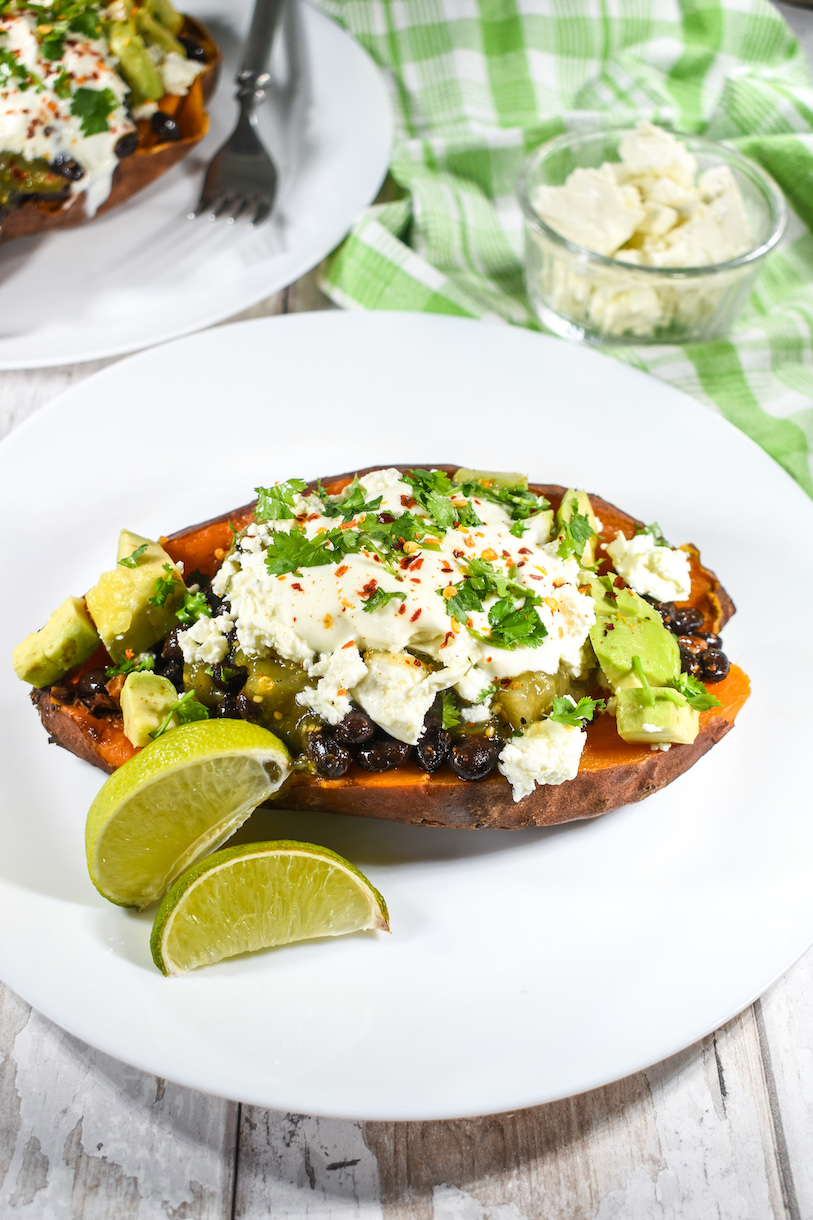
[
  {"x": 93, "y": 107},
  {"x": 695, "y": 693},
  {"x": 352, "y": 503},
  {"x": 654, "y": 530},
  {"x": 131, "y": 560},
  {"x": 486, "y": 693},
  {"x": 87, "y": 23},
  {"x": 164, "y": 587},
  {"x": 194, "y": 606},
  {"x": 518, "y": 529},
  {"x": 514, "y": 626},
  {"x": 53, "y": 44},
  {"x": 380, "y": 598},
  {"x": 288, "y": 552},
  {"x": 186, "y": 709},
  {"x": 451, "y": 714},
  {"x": 62, "y": 84},
  {"x": 276, "y": 503},
  {"x": 433, "y": 489},
  {"x": 574, "y": 535},
  {"x": 464, "y": 600},
  {"x": 519, "y": 501},
  {"x": 567, "y": 711},
  {"x": 130, "y": 665}
]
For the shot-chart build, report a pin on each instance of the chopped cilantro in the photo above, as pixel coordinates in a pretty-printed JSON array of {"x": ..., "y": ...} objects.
[
  {"x": 518, "y": 501},
  {"x": 53, "y": 44},
  {"x": 62, "y": 84},
  {"x": 518, "y": 528},
  {"x": 451, "y": 714},
  {"x": 131, "y": 560},
  {"x": 574, "y": 535},
  {"x": 433, "y": 489},
  {"x": 131, "y": 665},
  {"x": 380, "y": 598},
  {"x": 194, "y": 606},
  {"x": 695, "y": 693},
  {"x": 486, "y": 693},
  {"x": 185, "y": 710},
  {"x": 164, "y": 586},
  {"x": 93, "y": 106},
  {"x": 567, "y": 711},
  {"x": 276, "y": 503},
  {"x": 512, "y": 627},
  {"x": 654, "y": 530},
  {"x": 86, "y": 22},
  {"x": 352, "y": 503},
  {"x": 288, "y": 552}
]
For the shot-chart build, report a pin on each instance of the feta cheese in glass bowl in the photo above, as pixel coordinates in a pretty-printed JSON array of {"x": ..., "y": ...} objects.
[{"x": 641, "y": 236}]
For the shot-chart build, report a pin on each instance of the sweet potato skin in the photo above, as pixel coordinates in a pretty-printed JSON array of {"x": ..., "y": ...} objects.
[
  {"x": 612, "y": 773},
  {"x": 150, "y": 160}
]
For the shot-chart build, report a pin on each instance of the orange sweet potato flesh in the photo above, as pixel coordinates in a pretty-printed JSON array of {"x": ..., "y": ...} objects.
[
  {"x": 151, "y": 159},
  {"x": 611, "y": 772}
]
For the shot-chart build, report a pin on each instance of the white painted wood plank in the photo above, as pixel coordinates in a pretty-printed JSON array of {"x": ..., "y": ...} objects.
[{"x": 83, "y": 1137}]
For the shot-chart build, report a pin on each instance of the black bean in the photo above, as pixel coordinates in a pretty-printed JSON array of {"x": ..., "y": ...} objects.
[
  {"x": 689, "y": 663},
  {"x": 714, "y": 665},
  {"x": 355, "y": 729},
  {"x": 173, "y": 670},
  {"x": 92, "y": 690},
  {"x": 433, "y": 748},
  {"x": 226, "y": 709},
  {"x": 692, "y": 642},
  {"x": 247, "y": 709},
  {"x": 667, "y": 610},
  {"x": 382, "y": 754},
  {"x": 67, "y": 168},
  {"x": 216, "y": 604},
  {"x": 474, "y": 757},
  {"x": 231, "y": 678},
  {"x": 193, "y": 49},
  {"x": 687, "y": 620},
  {"x": 126, "y": 145},
  {"x": 712, "y": 639},
  {"x": 165, "y": 127},
  {"x": 329, "y": 757},
  {"x": 171, "y": 649}
]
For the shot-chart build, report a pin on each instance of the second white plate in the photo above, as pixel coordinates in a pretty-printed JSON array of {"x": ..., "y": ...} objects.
[{"x": 145, "y": 273}]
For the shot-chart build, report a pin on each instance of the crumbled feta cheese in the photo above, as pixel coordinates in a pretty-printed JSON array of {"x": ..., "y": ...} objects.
[
  {"x": 338, "y": 672},
  {"x": 546, "y": 753},
  {"x": 178, "y": 72},
  {"x": 398, "y": 691},
  {"x": 206, "y": 640},
  {"x": 648, "y": 210},
  {"x": 476, "y": 714},
  {"x": 657, "y": 571}
]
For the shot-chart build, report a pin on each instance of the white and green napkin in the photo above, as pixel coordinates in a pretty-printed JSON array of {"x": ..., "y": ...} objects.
[{"x": 477, "y": 84}]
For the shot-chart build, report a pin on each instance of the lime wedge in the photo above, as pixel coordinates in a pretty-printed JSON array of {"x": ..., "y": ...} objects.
[
  {"x": 179, "y": 798},
  {"x": 260, "y": 895}
]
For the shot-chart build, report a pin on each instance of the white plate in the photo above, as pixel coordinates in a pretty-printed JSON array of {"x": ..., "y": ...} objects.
[
  {"x": 145, "y": 273},
  {"x": 523, "y": 966}
]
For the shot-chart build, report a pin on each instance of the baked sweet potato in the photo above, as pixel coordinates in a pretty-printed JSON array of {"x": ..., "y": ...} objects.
[
  {"x": 152, "y": 156},
  {"x": 611, "y": 772}
]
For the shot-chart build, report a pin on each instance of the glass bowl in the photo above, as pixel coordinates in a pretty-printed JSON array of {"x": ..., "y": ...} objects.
[{"x": 581, "y": 295}]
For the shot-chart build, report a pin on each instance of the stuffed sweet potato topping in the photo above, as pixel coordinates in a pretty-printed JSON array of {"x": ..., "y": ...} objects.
[
  {"x": 97, "y": 100},
  {"x": 439, "y": 646}
]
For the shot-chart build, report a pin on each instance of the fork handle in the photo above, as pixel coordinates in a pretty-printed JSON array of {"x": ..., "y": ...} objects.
[{"x": 254, "y": 76}]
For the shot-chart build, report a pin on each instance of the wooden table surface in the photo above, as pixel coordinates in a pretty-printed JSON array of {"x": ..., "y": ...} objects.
[{"x": 724, "y": 1129}]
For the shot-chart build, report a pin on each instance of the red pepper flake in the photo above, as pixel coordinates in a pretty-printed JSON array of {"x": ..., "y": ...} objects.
[
  {"x": 532, "y": 577},
  {"x": 446, "y": 568},
  {"x": 403, "y": 611},
  {"x": 369, "y": 589},
  {"x": 459, "y": 554},
  {"x": 296, "y": 585},
  {"x": 524, "y": 550},
  {"x": 312, "y": 517},
  {"x": 469, "y": 622},
  {"x": 349, "y": 644},
  {"x": 507, "y": 555},
  {"x": 449, "y": 636},
  {"x": 417, "y": 662},
  {"x": 414, "y": 580},
  {"x": 416, "y": 616},
  {"x": 411, "y": 561},
  {"x": 619, "y": 582},
  {"x": 341, "y": 571},
  {"x": 408, "y": 501},
  {"x": 129, "y": 654},
  {"x": 341, "y": 692}
]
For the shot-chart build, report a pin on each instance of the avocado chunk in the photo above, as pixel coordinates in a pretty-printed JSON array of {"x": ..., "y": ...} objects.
[
  {"x": 573, "y": 502},
  {"x": 626, "y": 626},
  {"x": 124, "y": 603},
  {"x": 146, "y": 699},
  {"x": 495, "y": 478},
  {"x": 659, "y": 717},
  {"x": 68, "y": 639}
]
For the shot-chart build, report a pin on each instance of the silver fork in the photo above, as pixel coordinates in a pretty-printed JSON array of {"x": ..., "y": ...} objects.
[{"x": 242, "y": 177}]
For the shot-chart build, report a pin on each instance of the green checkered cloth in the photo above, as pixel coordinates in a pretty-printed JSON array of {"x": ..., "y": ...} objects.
[{"x": 478, "y": 84}]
